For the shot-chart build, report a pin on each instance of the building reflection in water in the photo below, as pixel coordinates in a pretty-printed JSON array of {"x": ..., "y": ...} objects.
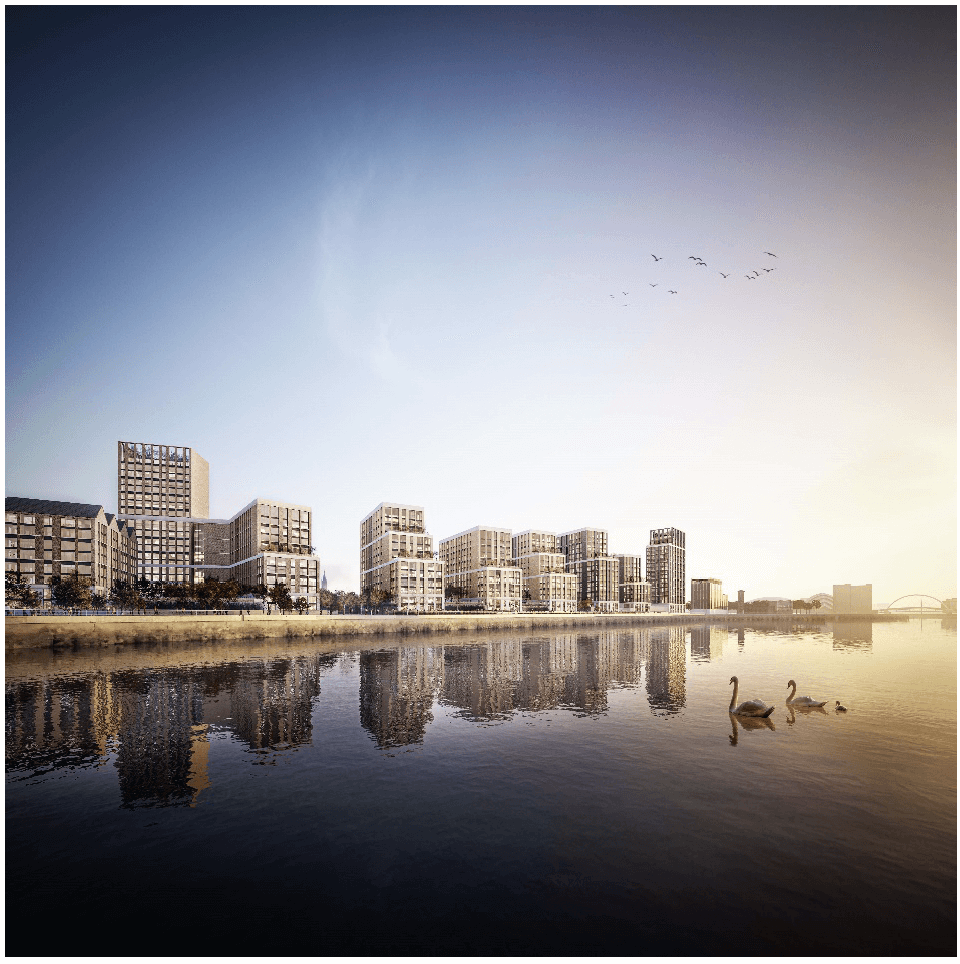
[
  {"x": 706, "y": 642},
  {"x": 397, "y": 690},
  {"x": 666, "y": 670},
  {"x": 856, "y": 635},
  {"x": 155, "y": 724}
]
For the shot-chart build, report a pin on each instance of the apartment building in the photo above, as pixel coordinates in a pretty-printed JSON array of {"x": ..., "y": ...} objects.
[
  {"x": 707, "y": 595},
  {"x": 666, "y": 569},
  {"x": 598, "y": 574},
  {"x": 546, "y": 583},
  {"x": 49, "y": 540},
  {"x": 266, "y": 542},
  {"x": 478, "y": 566},
  {"x": 633, "y": 592},
  {"x": 163, "y": 492},
  {"x": 397, "y": 558}
]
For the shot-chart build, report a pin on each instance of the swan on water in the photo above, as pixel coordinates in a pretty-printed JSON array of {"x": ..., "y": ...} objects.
[
  {"x": 748, "y": 707},
  {"x": 794, "y": 700},
  {"x": 841, "y": 709}
]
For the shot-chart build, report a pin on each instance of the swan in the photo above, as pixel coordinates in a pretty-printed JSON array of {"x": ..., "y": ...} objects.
[
  {"x": 748, "y": 707},
  {"x": 841, "y": 709},
  {"x": 794, "y": 700}
]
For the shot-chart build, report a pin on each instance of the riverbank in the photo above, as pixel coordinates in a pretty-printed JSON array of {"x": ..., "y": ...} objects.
[{"x": 27, "y": 632}]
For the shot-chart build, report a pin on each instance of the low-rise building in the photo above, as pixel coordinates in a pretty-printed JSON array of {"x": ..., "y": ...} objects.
[
  {"x": 397, "y": 558},
  {"x": 546, "y": 583},
  {"x": 47, "y": 540},
  {"x": 706, "y": 595},
  {"x": 479, "y": 570}
]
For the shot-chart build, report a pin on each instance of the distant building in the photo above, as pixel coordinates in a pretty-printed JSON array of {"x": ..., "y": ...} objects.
[
  {"x": 740, "y": 602},
  {"x": 852, "y": 599},
  {"x": 949, "y": 606},
  {"x": 632, "y": 592},
  {"x": 478, "y": 566},
  {"x": 396, "y": 557},
  {"x": 48, "y": 540},
  {"x": 667, "y": 568},
  {"x": 323, "y": 582},
  {"x": 546, "y": 583},
  {"x": 706, "y": 595},
  {"x": 598, "y": 573}
]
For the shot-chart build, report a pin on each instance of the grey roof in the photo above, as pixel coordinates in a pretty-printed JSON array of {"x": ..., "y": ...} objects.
[{"x": 49, "y": 507}]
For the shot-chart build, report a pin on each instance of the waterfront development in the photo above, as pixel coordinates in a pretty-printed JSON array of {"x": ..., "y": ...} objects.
[{"x": 579, "y": 791}]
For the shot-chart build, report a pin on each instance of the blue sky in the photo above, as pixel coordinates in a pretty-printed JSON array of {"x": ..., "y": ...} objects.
[{"x": 364, "y": 254}]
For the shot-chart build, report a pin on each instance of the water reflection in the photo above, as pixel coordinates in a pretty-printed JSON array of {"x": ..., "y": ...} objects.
[
  {"x": 156, "y": 723},
  {"x": 706, "y": 642},
  {"x": 748, "y": 723},
  {"x": 397, "y": 690},
  {"x": 792, "y": 712},
  {"x": 853, "y": 635}
]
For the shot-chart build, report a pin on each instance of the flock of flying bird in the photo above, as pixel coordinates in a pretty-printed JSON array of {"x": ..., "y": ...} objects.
[{"x": 698, "y": 262}]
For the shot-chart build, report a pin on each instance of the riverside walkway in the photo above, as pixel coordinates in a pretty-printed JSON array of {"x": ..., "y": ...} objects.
[{"x": 107, "y": 629}]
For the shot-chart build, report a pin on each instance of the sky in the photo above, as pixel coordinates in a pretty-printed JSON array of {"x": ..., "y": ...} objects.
[{"x": 358, "y": 254}]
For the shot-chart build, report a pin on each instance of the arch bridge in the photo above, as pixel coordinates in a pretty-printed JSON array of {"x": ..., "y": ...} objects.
[{"x": 917, "y": 607}]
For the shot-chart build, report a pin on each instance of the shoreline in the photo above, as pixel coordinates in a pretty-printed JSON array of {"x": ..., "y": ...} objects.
[{"x": 58, "y": 632}]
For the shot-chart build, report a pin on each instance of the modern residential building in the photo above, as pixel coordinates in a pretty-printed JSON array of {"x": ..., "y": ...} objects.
[
  {"x": 667, "y": 569},
  {"x": 266, "y": 542},
  {"x": 479, "y": 569},
  {"x": 634, "y": 593},
  {"x": 853, "y": 599},
  {"x": 598, "y": 573},
  {"x": 706, "y": 595},
  {"x": 163, "y": 491},
  {"x": 397, "y": 558},
  {"x": 546, "y": 583},
  {"x": 49, "y": 540}
]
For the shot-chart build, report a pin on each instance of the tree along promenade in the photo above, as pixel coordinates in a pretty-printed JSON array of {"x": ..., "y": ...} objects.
[{"x": 102, "y": 629}]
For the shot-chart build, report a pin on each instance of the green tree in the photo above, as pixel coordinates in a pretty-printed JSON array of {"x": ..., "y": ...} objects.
[
  {"x": 352, "y": 602},
  {"x": 14, "y": 586},
  {"x": 280, "y": 596},
  {"x": 72, "y": 592},
  {"x": 302, "y": 604},
  {"x": 586, "y": 604}
]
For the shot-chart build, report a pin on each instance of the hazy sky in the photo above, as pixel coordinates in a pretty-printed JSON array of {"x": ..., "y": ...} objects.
[{"x": 363, "y": 254}]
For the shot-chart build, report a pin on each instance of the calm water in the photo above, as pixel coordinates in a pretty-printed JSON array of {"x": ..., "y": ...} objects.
[{"x": 559, "y": 794}]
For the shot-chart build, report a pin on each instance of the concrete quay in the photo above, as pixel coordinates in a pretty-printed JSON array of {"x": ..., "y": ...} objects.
[{"x": 42, "y": 631}]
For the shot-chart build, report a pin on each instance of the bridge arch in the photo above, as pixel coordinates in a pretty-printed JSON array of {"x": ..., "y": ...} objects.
[{"x": 914, "y": 595}]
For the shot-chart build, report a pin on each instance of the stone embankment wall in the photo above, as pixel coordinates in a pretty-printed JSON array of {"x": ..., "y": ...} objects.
[{"x": 25, "y": 632}]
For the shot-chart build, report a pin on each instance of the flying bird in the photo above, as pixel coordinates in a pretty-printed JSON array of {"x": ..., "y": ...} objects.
[
  {"x": 692, "y": 257},
  {"x": 653, "y": 286},
  {"x": 655, "y": 258},
  {"x": 724, "y": 275},
  {"x": 701, "y": 264},
  {"x": 772, "y": 255},
  {"x": 626, "y": 293},
  {"x": 749, "y": 277},
  {"x": 672, "y": 291},
  {"x": 768, "y": 270}
]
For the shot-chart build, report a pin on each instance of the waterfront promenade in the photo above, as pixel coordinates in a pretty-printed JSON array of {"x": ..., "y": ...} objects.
[{"x": 26, "y": 632}]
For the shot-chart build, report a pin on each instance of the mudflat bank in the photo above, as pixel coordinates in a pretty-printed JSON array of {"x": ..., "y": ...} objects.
[{"x": 26, "y": 632}]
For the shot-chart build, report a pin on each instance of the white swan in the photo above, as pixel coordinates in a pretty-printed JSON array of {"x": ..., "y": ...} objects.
[
  {"x": 841, "y": 709},
  {"x": 794, "y": 700},
  {"x": 748, "y": 707}
]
